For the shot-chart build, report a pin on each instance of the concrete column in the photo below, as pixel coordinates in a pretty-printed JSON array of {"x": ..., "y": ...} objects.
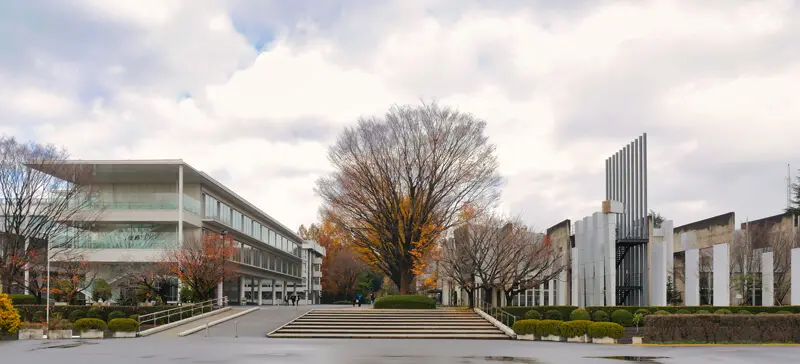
[
  {"x": 692, "y": 278},
  {"x": 180, "y": 219},
  {"x": 767, "y": 280},
  {"x": 220, "y": 293},
  {"x": 260, "y": 293},
  {"x": 658, "y": 274},
  {"x": 794, "y": 289},
  {"x": 610, "y": 255},
  {"x": 541, "y": 294},
  {"x": 284, "y": 290},
  {"x": 551, "y": 287},
  {"x": 241, "y": 290},
  {"x": 563, "y": 288},
  {"x": 574, "y": 290},
  {"x": 274, "y": 290},
  {"x": 721, "y": 272}
]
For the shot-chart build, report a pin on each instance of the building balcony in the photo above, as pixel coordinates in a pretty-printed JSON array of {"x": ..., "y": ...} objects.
[
  {"x": 316, "y": 274},
  {"x": 163, "y": 202},
  {"x": 317, "y": 260},
  {"x": 121, "y": 240},
  {"x": 316, "y": 287}
]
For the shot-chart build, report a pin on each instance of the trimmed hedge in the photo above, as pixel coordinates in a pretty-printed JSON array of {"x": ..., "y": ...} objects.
[
  {"x": 123, "y": 325},
  {"x": 744, "y": 312},
  {"x": 96, "y": 313},
  {"x": 525, "y": 327},
  {"x": 622, "y": 317},
  {"x": 116, "y": 315},
  {"x": 405, "y": 302},
  {"x": 706, "y": 312},
  {"x": 580, "y": 314},
  {"x": 554, "y": 315},
  {"x": 22, "y": 299},
  {"x": 76, "y": 315},
  {"x": 643, "y": 311},
  {"x": 683, "y": 311},
  {"x": 38, "y": 316},
  {"x": 723, "y": 328},
  {"x": 575, "y": 328},
  {"x": 547, "y": 327},
  {"x": 674, "y": 309},
  {"x": 26, "y": 311},
  {"x": 723, "y": 311},
  {"x": 520, "y": 311},
  {"x": 661, "y": 312},
  {"x": 533, "y": 315},
  {"x": 90, "y": 324},
  {"x": 600, "y": 316},
  {"x": 598, "y": 330}
]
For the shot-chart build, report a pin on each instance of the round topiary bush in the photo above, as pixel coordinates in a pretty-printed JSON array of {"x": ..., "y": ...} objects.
[
  {"x": 575, "y": 328},
  {"x": 90, "y": 324},
  {"x": 525, "y": 327},
  {"x": 123, "y": 325},
  {"x": 580, "y": 314},
  {"x": 134, "y": 317},
  {"x": 532, "y": 315},
  {"x": 405, "y": 302},
  {"x": 116, "y": 315},
  {"x": 622, "y": 317},
  {"x": 661, "y": 312},
  {"x": 703, "y": 312},
  {"x": 553, "y": 315},
  {"x": 723, "y": 311},
  {"x": 547, "y": 328},
  {"x": 76, "y": 315},
  {"x": 39, "y": 316},
  {"x": 9, "y": 316},
  {"x": 683, "y": 311},
  {"x": 598, "y": 330},
  {"x": 782, "y": 312},
  {"x": 643, "y": 311},
  {"x": 600, "y": 316},
  {"x": 743, "y": 312},
  {"x": 95, "y": 313}
]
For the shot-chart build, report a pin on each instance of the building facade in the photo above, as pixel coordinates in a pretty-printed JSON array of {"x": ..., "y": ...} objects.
[{"x": 151, "y": 206}]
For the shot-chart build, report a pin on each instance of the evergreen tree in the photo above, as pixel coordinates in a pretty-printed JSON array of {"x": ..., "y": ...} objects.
[{"x": 795, "y": 205}]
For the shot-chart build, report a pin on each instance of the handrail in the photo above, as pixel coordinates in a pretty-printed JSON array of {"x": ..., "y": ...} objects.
[
  {"x": 183, "y": 311},
  {"x": 499, "y": 314}
]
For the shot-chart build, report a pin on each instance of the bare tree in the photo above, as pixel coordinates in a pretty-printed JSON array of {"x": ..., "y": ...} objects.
[
  {"x": 529, "y": 259},
  {"x": 782, "y": 242},
  {"x": 202, "y": 263},
  {"x": 745, "y": 264},
  {"x": 400, "y": 181},
  {"x": 44, "y": 202}
]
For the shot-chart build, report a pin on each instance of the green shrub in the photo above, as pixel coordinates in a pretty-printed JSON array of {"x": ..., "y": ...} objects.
[
  {"x": 723, "y": 311},
  {"x": 763, "y": 313},
  {"x": 553, "y": 315},
  {"x": 520, "y": 311},
  {"x": 123, "y": 325},
  {"x": 405, "y": 302},
  {"x": 702, "y": 312},
  {"x": 580, "y": 314},
  {"x": 525, "y": 327},
  {"x": 575, "y": 328},
  {"x": 22, "y": 299},
  {"x": 90, "y": 324},
  {"x": 95, "y": 313},
  {"x": 622, "y": 317},
  {"x": 784, "y": 312},
  {"x": 661, "y": 312},
  {"x": 599, "y": 330},
  {"x": 547, "y": 327},
  {"x": 673, "y": 309},
  {"x": 533, "y": 315},
  {"x": 134, "y": 317},
  {"x": 76, "y": 315},
  {"x": 743, "y": 312},
  {"x": 101, "y": 290},
  {"x": 26, "y": 311},
  {"x": 187, "y": 293},
  {"x": 116, "y": 315},
  {"x": 39, "y": 316},
  {"x": 683, "y": 311},
  {"x": 600, "y": 316},
  {"x": 643, "y": 311}
]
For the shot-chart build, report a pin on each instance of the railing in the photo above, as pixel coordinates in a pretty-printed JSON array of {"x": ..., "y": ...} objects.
[
  {"x": 504, "y": 317},
  {"x": 181, "y": 312}
]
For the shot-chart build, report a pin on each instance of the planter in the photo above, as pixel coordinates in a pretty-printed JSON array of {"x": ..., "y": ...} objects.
[
  {"x": 604, "y": 340},
  {"x": 551, "y": 338},
  {"x": 123, "y": 334},
  {"x": 31, "y": 334},
  {"x": 92, "y": 334},
  {"x": 578, "y": 339},
  {"x": 638, "y": 340},
  {"x": 528, "y": 337},
  {"x": 59, "y": 334}
]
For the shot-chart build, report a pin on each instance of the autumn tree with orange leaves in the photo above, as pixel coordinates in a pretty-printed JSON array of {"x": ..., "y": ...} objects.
[
  {"x": 203, "y": 263},
  {"x": 399, "y": 181}
]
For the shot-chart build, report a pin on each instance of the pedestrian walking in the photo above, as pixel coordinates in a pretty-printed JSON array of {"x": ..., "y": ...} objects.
[
  {"x": 359, "y": 300},
  {"x": 372, "y": 298}
]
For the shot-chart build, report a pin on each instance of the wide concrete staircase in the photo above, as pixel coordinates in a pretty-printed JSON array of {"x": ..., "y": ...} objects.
[{"x": 390, "y": 324}]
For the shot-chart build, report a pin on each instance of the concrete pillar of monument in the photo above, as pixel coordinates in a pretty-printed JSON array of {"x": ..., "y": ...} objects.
[
  {"x": 692, "y": 278},
  {"x": 721, "y": 274},
  {"x": 795, "y": 278},
  {"x": 767, "y": 279},
  {"x": 260, "y": 293}
]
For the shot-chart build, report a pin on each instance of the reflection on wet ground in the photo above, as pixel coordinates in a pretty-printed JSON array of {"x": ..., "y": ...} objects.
[
  {"x": 49, "y": 345},
  {"x": 634, "y": 359}
]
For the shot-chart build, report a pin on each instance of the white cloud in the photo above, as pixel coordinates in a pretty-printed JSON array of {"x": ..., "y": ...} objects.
[{"x": 38, "y": 103}]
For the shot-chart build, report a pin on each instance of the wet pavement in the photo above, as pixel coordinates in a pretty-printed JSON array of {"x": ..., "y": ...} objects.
[{"x": 245, "y": 350}]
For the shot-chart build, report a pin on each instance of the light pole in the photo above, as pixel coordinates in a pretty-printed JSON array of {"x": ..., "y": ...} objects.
[{"x": 47, "y": 312}]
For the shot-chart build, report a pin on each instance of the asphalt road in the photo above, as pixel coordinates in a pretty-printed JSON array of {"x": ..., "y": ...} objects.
[{"x": 245, "y": 350}]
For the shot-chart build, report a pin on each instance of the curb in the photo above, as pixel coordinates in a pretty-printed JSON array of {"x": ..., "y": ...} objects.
[
  {"x": 168, "y": 326},
  {"x": 217, "y": 322}
]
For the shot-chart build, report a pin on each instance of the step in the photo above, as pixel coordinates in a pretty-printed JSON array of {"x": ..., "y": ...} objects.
[
  {"x": 387, "y": 324},
  {"x": 387, "y": 331},
  {"x": 498, "y": 336}
]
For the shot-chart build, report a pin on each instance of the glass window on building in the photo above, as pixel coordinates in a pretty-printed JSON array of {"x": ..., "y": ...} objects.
[
  {"x": 271, "y": 262},
  {"x": 248, "y": 225},
  {"x": 224, "y": 213},
  {"x": 264, "y": 234},
  {"x": 237, "y": 220},
  {"x": 211, "y": 207},
  {"x": 256, "y": 230},
  {"x": 272, "y": 238}
]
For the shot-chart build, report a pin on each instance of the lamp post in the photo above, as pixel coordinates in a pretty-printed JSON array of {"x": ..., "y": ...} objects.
[{"x": 47, "y": 311}]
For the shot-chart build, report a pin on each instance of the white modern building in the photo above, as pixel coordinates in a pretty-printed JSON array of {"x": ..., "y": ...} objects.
[
  {"x": 150, "y": 206},
  {"x": 311, "y": 274}
]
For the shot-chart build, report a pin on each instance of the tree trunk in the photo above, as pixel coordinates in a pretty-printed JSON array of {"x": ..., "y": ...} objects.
[
  {"x": 405, "y": 282},
  {"x": 471, "y": 298}
]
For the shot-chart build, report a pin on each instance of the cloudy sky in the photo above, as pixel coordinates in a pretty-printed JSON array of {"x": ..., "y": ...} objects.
[{"x": 253, "y": 92}]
